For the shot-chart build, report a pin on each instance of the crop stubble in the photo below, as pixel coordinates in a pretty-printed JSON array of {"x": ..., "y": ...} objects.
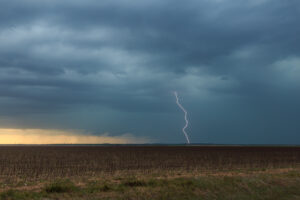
[{"x": 66, "y": 161}]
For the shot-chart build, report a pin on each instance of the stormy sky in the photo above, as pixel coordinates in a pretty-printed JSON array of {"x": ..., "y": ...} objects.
[{"x": 109, "y": 68}]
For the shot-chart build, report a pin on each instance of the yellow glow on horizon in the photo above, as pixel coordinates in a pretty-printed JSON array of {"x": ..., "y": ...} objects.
[{"x": 46, "y": 136}]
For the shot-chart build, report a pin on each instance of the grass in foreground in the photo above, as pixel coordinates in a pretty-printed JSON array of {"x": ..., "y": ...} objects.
[{"x": 239, "y": 186}]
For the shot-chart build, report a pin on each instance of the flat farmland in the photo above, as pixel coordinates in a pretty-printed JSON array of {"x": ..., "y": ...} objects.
[{"x": 116, "y": 172}]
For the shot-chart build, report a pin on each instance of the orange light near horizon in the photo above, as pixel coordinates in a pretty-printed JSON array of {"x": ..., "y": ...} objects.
[{"x": 46, "y": 136}]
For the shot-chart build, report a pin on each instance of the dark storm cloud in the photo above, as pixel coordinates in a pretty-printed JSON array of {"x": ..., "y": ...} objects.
[{"x": 92, "y": 59}]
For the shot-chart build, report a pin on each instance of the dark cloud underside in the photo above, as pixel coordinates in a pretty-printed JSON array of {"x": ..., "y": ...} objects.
[{"x": 111, "y": 66}]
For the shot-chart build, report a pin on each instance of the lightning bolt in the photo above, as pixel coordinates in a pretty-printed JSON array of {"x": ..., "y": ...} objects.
[{"x": 185, "y": 118}]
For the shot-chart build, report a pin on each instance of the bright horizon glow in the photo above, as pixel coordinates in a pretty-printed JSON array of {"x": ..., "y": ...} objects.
[{"x": 49, "y": 136}]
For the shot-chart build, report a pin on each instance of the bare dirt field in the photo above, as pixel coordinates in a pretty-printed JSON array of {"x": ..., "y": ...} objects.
[{"x": 149, "y": 172}]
